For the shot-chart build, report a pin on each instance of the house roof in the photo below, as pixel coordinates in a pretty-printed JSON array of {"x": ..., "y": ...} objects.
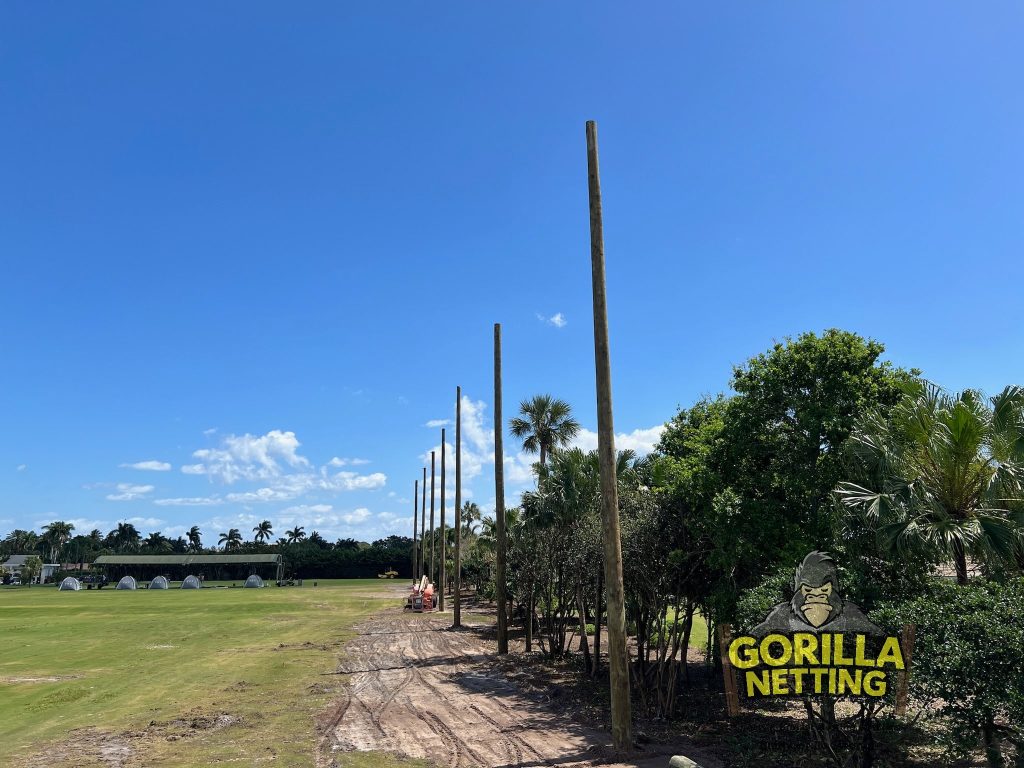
[{"x": 16, "y": 561}]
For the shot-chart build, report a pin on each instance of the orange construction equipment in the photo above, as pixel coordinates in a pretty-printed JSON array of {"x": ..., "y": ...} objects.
[{"x": 422, "y": 597}]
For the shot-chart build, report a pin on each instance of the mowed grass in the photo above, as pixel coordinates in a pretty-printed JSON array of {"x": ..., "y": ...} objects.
[{"x": 186, "y": 677}]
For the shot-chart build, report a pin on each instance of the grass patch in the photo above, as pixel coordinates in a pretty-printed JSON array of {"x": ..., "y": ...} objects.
[{"x": 196, "y": 677}]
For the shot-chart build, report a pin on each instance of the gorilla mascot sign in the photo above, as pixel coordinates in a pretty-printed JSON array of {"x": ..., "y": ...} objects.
[{"x": 815, "y": 644}]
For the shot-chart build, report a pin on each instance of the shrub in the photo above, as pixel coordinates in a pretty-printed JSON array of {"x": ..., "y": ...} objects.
[{"x": 967, "y": 663}]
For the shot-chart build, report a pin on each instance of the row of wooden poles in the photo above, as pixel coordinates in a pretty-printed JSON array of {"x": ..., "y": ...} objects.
[
  {"x": 617, "y": 655},
  {"x": 419, "y": 558}
]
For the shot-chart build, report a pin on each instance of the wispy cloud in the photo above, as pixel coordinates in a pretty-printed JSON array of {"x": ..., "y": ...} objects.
[
  {"x": 557, "y": 320},
  {"x": 435, "y": 423},
  {"x": 22, "y": 467},
  {"x": 194, "y": 501},
  {"x": 152, "y": 465},
  {"x": 341, "y": 462},
  {"x": 129, "y": 492}
]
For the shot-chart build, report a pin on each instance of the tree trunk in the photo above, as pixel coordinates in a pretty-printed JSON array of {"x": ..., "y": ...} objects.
[
  {"x": 993, "y": 754},
  {"x": 499, "y": 498},
  {"x": 529, "y": 617},
  {"x": 618, "y": 655},
  {"x": 584, "y": 643},
  {"x": 598, "y": 613},
  {"x": 960, "y": 560}
]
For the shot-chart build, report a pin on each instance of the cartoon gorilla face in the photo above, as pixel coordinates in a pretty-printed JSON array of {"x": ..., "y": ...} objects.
[{"x": 816, "y": 590}]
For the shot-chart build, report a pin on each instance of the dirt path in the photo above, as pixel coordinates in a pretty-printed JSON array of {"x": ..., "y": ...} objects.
[{"x": 419, "y": 689}]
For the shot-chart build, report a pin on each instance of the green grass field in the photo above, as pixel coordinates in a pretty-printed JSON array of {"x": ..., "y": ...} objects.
[{"x": 183, "y": 678}]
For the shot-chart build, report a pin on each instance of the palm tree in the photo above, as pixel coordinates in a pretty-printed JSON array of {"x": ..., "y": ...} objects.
[
  {"x": 318, "y": 540},
  {"x": 157, "y": 542},
  {"x": 544, "y": 425},
  {"x": 296, "y": 534},
  {"x": 126, "y": 537},
  {"x": 195, "y": 538},
  {"x": 470, "y": 518},
  {"x": 263, "y": 531},
  {"x": 20, "y": 541},
  {"x": 56, "y": 535},
  {"x": 282, "y": 542},
  {"x": 230, "y": 540},
  {"x": 941, "y": 473}
]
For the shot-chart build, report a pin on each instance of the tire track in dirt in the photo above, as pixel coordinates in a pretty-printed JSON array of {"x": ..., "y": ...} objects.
[{"x": 420, "y": 690}]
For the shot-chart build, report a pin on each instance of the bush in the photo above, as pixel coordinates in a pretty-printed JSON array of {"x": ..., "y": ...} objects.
[{"x": 967, "y": 664}]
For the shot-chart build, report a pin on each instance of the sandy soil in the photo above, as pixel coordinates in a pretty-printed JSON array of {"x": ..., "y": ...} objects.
[{"x": 419, "y": 689}]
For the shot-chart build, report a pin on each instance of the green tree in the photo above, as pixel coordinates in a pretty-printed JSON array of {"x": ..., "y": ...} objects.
[
  {"x": 195, "y": 538},
  {"x": 30, "y": 569},
  {"x": 544, "y": 425},
  {"x": 754, "y": 473},
  {"x": 263, "y": 531},
  {"x": 20, "y": 542},
  {"x": 157, "y": 542},
  {"x": 296, "y": 534},
  {"x": 125, "y": 537},
  {"x": 470, "y": 519},
  {"x": 941, "y": 472},
  {"x": 56, "y": 535},
  {"x": 230, "y": 540}
]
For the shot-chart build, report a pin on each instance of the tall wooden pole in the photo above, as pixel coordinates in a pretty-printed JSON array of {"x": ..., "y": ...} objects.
[
  {"x": 423, "y": 522},
  {"x": 499, "y": 499},
  {"x": 441, "y": 577},
  {"x": 433, "y": 543},
  {"x": 457, "y": 620},
  {"x": 415, "y": 521},
  {"x": 618, "y": 657}
]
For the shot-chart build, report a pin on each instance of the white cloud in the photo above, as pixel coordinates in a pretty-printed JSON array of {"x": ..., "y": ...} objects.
[
  {"x": 356, "y": 516},
  {"x": 195, "y": 501},
  {"x": 263, "y": 494},
  {"x": 247, "y": 457},
  {"x": 210, "y": 431},
  {"x": 557, "y": 320},
  {"x": 151, "y": 465},
  {"x": 340, "y": 462},
  {"x": 22, "y": 467},
  {"x": 642, "y": 441},
  {"x": 129, "y": 492},
  {"x": 435, "y": 423}
]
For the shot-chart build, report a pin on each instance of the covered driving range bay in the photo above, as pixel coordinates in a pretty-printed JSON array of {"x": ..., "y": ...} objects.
[{"x": 178, "y": 567}]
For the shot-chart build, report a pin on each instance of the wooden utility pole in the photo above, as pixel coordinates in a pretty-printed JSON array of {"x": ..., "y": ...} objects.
[
  {"x": 457, "y": 620},
  {"x": 430, "y": 575},
  {"x": 618, "y": 656},
  {"x": 415, "y": 521},
  {"x": 441, "y": 577},
  {"x": 423, "y": 522},
  {"x": 499, "y": 499}
]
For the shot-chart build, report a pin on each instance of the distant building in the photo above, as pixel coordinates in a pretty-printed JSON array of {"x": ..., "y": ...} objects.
[{"x": 13, "y": 565}]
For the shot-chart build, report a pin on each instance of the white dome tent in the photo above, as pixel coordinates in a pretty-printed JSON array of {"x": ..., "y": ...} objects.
[
  {"x": 191, "y": 582},
  {"x": 160, "y": 582},
  {"x": 70, "y": 584},
  {"x": 253, "y": 582},
  {"x": 127, "y": 582}
]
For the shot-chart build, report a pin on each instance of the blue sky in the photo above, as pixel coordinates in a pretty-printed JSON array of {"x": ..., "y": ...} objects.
[{"x": 254, "y": 242}]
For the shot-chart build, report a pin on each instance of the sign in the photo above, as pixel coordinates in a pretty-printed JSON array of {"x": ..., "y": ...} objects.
[{"x": 815, "y": 644}]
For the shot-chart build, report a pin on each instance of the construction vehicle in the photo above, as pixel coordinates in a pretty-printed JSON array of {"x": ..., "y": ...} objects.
[{"x": 422, "y": 597}]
